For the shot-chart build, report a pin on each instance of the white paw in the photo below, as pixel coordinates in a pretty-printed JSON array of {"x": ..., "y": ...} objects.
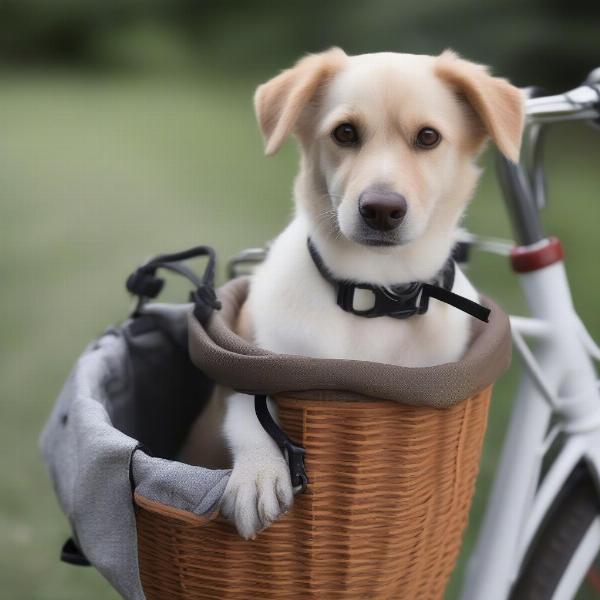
[{"x": 258, "y": 492}]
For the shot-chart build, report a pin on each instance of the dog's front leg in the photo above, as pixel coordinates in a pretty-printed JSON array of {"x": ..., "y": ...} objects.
[{"x": 259, "y": 488}]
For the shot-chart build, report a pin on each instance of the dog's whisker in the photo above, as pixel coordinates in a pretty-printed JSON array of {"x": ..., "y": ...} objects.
[
  {"x": 327, "y": 214},
  {"x": 326, "y": 221}
]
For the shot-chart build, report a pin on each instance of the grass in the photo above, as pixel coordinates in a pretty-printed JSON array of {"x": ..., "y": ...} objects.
[{"x": 99, "y": 172}]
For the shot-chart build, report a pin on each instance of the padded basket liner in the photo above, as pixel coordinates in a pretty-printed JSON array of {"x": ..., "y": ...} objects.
[
  {"x": 132, "y": 388},
  {"x": 392, "y": 474}
]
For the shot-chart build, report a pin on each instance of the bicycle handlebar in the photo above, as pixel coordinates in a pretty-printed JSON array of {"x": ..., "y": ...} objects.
[
  {"x": 582, "y": 103},
  {"x": 523, "y": 184}
]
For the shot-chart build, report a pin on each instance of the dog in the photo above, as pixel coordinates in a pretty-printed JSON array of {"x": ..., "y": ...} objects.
[{"x": 388, "y": 145}]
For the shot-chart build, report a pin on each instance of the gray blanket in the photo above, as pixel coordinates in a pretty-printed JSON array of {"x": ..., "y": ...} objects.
[{"x": 118, "y": 423}]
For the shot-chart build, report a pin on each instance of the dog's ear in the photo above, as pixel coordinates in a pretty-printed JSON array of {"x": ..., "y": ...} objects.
[
  {"x": 498, "y": 104},
  {"x": 280, "y": 101}
]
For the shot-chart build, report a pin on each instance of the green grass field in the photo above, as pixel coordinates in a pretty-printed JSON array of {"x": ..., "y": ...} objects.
[{"x": 97, "y": 172}]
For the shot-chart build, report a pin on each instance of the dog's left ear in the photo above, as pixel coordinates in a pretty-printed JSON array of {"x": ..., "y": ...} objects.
[
  {"x": 280, "y": 102},
  {"x": 498, "y": 104}
]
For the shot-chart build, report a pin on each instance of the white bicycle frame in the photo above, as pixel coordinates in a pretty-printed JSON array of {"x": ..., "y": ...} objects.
[{"x": 558, "y": 394}]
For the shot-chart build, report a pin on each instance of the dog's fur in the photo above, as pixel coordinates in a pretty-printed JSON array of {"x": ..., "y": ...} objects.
[{"x": 290, "y": 308}]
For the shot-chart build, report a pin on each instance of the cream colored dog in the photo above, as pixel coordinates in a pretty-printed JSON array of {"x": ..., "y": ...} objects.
[{"x": 388, "y": 143}]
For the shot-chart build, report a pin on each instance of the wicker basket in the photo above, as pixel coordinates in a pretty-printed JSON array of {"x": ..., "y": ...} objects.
[
  {"x": 383, "y": 517},
  {"x": 392, "y": 463}
]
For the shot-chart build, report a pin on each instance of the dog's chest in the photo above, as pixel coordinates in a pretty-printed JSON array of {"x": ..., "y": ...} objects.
[{"x": 294, "y": 319}]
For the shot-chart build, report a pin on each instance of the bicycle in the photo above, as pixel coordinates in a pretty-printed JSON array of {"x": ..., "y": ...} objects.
[{"x": 540, "y": 534}]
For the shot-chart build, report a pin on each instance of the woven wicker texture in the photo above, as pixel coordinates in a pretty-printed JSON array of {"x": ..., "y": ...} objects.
[{"x": 383, "y": 516}]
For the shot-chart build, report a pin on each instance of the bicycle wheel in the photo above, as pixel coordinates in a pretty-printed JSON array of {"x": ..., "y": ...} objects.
[{"x": 558, "y": 563}]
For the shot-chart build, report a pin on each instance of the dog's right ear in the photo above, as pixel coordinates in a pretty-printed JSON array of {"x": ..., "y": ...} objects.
[{"x": 280, "y": 101}]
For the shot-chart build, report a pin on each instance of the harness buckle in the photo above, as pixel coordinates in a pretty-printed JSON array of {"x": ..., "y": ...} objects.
[
  {"x": 345, "y": 296},
  {"x": 391, "y": 303},
  {"x": 295, "y": 458}
]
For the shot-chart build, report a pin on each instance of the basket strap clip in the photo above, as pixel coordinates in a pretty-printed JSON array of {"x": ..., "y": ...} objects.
[
  {"x": 293, "y": 452},
  {"x": 146, "y": 285}
]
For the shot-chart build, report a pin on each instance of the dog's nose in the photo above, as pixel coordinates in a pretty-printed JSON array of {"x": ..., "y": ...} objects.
[{"x": 382, "y": 210}]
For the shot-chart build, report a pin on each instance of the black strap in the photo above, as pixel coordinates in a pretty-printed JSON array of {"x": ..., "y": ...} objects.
[
  {"x": 145, "y": 284},
  {"x": 403, "y": 300},
  {"x": 443, "y": 295},
  {"x": 295, "y": 453},
  {"x": 72, "y": 554}
]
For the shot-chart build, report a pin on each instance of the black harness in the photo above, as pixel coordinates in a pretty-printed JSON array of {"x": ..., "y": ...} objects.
[{"x": 399, "y": 301}]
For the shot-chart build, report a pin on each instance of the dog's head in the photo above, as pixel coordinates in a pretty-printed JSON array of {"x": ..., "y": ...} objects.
[{"x": 388, "y": 140}]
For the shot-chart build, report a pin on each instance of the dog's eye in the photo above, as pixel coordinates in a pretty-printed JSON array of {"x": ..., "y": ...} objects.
[
  {"x": 345, "y": 134},
  {"x": 428, "y": 138}
]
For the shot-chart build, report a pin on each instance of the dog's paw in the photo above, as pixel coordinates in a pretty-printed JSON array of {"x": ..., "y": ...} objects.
[{"x": 258, "y": 492}]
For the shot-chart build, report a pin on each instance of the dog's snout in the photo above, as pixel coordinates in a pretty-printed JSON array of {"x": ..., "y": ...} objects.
[{"x": 382, "y": 210}]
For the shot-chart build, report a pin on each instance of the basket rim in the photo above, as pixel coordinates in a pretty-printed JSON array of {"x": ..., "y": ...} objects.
[{"x": 228, "y": 359}]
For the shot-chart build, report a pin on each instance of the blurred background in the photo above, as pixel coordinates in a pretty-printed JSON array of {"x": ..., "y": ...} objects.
[{"x": 126, "y": 129}]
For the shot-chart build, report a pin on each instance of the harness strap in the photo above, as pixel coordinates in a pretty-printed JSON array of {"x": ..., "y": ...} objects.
[
  {"x": 468, "y": 306},
  {"x": 293, "y": 453}
]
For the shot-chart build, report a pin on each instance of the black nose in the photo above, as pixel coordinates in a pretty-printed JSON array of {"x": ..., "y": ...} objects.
[{"x": 382, "y": 210}]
